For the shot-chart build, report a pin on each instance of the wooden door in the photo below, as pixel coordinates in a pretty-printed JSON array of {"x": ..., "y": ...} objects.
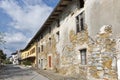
[{"x": 49, "y": 61}]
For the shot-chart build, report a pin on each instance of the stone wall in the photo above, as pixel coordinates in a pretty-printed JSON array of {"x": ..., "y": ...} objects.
[
  {"x": 102, "y": 62},
  {"x": 70, "y": 63},
  {"x": 49, "y": 49},
  {"x": 101, "y": 56}
]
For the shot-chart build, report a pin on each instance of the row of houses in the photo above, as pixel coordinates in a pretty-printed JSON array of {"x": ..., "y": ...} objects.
[{"x": 79, "y": 38}]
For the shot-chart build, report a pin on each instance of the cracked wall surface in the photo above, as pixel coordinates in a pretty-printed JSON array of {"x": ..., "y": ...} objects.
[
  {"x": 100, "y": 47},
  {"x": 102, "y": 62},
  {"x": 71, "y": 65},
  {"x": 101, "y": 55},
  {"x": 50, "y": 50},
  {"x": 102, "y": 12}
]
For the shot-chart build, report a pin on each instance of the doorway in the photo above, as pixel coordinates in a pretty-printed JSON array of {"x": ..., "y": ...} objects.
[
  {"x": 42, "y": 63},
  {"x": 50, "y": 64}
]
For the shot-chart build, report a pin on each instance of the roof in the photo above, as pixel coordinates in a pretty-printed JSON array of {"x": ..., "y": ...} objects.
[
  {"x": 53, "y": 16},
  {"x": 14, "y": 53}
]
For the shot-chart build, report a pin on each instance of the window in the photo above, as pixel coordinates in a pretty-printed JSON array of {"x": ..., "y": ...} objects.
[
  {"x": 58, "y": 23},
  {"x": 27, "y": 54},
  {"x": 32, "y": 51},
  {"x": 80, "y": 22},
  {"x": 83, "y": 56},
  {"x": 58, "y": 36},
  {"x": 39, "y": 61},
  {"x": 80, "y": 3},
  {"x": 41, "y": 48},
  {"x": 50, "y": 41},
  {"x": 41, "y": 36},
  {"x": 49, "y": 29},
  {"x": 38, "y": 49}
]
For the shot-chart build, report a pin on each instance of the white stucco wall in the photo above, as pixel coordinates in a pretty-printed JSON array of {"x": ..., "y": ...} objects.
[
  {"x": 15, "y": 59},
  {"x": 102, "y": 12},
  {"x": 68, "y": 23}
]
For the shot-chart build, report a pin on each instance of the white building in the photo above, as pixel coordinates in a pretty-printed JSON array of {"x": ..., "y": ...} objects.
[{"x": 15, "y": 58}]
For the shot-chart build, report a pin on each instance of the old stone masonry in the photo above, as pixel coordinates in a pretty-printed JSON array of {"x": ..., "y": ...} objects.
[{"x": 102, "y": 56}]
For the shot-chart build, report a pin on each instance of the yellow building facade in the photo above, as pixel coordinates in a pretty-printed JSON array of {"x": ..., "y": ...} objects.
[{"x": 29, "y": 54}]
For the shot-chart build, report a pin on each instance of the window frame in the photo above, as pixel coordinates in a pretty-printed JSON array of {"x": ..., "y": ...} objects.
[
  {"x": 83, "y": 56},
  {"x": 49, "y": 29},
  {"x": 58, "y": 22},
  {"x": 80, "y": 3},
  {"x": 80, "y": 22},
  {"x": 42, "y": 48},
  {"x": 58, "y": 36},
  {"x": 50, "y": 41}
]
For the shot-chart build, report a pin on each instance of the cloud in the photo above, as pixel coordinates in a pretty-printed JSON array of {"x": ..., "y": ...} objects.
[
  {"x": 15, "y": 37},
  {"x": 7, "y": 51},
  {"x": 14, "y": 41},
  {"x": 29, "y": 16}
]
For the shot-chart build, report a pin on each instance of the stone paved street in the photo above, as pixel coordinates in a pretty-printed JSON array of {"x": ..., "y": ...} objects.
[{"x": 15, "y": 72}]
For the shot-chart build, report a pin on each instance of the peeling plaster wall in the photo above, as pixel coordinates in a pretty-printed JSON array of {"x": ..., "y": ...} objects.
[
  {"x": 48, "y": 50},
  {"x": 69, "y": 61},
  {"x": 65, "y": 53},
  {"x": 102, "y": 62},
  {"x": 67, "y": 24},
  {"x": 102, "y": 12},
  {"x": 59, "y": 51}
]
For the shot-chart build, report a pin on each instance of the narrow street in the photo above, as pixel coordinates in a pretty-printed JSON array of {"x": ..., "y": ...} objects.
[{"x": 16, "y": 72}]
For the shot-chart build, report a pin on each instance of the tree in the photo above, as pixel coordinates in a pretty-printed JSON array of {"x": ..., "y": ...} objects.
[
  {"x": 2, "y": 56},
  {"x": 2, "y": 38}
]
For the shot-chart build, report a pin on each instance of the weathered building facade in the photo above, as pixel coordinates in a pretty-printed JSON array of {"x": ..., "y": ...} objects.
[
  {"x": 105, "y": 12},
  {"x": 81, "y": 39},
  {"x": 59, "y": 42}
]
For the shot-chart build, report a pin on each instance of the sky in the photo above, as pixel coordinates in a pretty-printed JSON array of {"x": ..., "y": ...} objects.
[{"x": 21, "y": 19}]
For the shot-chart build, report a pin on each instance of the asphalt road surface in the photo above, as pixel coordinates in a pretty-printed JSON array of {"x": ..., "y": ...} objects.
[{"x": 16, "y": 72}]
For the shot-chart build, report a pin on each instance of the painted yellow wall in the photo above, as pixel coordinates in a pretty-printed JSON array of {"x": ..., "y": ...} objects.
[{"x": 26, "y": 54}]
